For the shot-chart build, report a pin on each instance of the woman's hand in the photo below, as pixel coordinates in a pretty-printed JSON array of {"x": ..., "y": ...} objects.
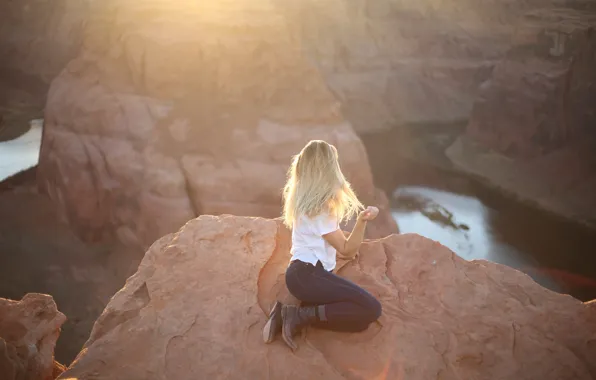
[
  {"x": 369, "y": 213},
  {"x": 348, "y": 247}
]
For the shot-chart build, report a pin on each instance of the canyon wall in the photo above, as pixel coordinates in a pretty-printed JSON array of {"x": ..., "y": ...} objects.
[
  {"x": 39, "y": 37},
  {"x": 174, "y": 109},
  {"x": 532, "y": 129},
  {"x": 393, "y": 62},
  {"x": 542, "y": 94}
]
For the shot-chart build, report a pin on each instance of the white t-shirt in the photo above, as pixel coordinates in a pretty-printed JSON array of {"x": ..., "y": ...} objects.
[{"x": 308, "y": 244}]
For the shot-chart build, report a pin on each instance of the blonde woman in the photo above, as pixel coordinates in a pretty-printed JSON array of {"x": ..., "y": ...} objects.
[{"x": 317, "y": 198}]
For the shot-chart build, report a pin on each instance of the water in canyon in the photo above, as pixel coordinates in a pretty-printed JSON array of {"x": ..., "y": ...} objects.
[{"x": 22, "y": 152}]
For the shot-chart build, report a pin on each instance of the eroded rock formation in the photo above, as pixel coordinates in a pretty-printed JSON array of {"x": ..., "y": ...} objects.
[
  {"x": 195, "y": 309},
  {"x": 28, "y": 332},
  {"x": 175, "y": 109}
]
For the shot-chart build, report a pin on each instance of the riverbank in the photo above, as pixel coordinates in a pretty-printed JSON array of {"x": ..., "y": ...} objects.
[{"x": 562, "y": 183}]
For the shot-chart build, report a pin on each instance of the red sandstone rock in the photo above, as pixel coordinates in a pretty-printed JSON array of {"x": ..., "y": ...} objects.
[
  {"x": 174, "y": 110},
  {"x": 195, "y": 309},
  {"x": 28, "y": 332}
]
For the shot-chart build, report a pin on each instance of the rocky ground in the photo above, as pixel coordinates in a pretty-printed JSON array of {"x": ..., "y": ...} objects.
[{"x": 443, "y": 317}]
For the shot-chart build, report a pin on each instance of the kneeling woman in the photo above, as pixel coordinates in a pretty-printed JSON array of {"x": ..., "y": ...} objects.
[{"x": 316, "y": 198}]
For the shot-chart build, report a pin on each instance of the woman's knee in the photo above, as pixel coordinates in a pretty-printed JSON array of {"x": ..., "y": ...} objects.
[
  {"x": 370, "y": 308},
  {"x": 370, "y": 314},
  {"x": 374, "y": 309}
]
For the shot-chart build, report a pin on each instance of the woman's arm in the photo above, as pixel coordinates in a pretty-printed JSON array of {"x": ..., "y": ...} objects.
[{"x": 348, "y": 247}]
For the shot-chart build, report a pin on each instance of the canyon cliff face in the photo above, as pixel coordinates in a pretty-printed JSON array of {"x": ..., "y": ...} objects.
[
  {"x": 196, "y": 307},
  {"x": 404, "y": 63},
  {"x": 541, "y": 96},
  {"x": 174, "y": 110},
  {"x": 28, "y": 332},
  {"x": 532, "y": 130},
  {"x": 39, "y": 37}
]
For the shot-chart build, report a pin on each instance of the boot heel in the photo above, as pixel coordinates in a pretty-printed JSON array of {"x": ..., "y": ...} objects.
[
  {"x": 273, "y": 325},
  {"x": 286, "y": 330}
]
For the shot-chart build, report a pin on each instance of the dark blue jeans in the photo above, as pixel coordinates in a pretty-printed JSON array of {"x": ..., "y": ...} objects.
[{"x": 348, "y": 307}]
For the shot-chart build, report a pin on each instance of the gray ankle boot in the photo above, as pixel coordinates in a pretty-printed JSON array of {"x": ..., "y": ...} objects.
[
  {"x": 294, "y": 318},
  {"x": 273, "y": 325}
]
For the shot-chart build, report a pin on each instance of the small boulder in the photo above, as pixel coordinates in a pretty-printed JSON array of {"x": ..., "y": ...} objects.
[{"x": 28, "y": 332}]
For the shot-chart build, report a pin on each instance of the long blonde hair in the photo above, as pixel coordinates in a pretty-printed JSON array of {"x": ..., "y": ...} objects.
[{"x": 316, "y": 185}]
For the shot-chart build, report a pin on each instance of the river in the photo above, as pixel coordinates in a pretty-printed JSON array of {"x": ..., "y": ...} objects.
[{"x": 21, "y": 153}]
